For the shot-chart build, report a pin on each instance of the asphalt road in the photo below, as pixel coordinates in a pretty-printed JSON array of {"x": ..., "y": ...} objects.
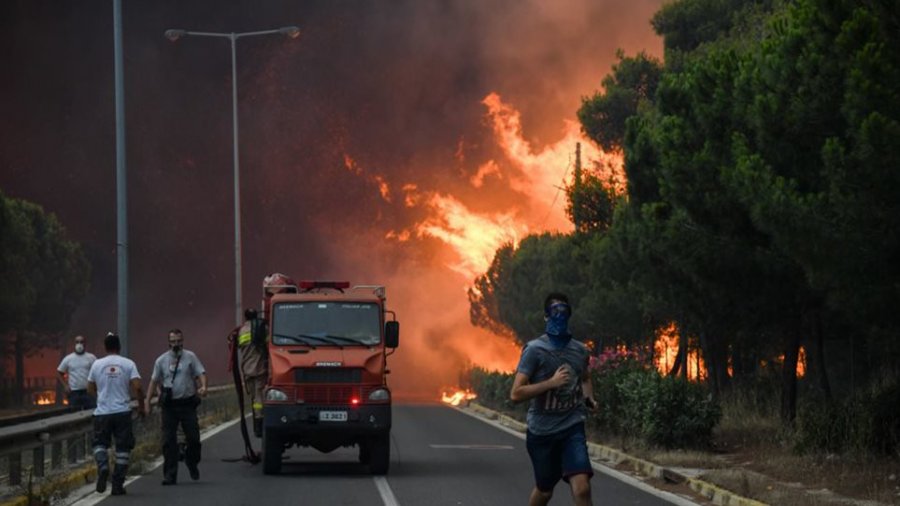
[{"x": 439, "y": 456}]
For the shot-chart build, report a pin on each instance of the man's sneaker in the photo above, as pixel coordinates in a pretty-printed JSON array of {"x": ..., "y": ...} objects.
[
  {"x": 195, "y": 472},
  {"x": 117, "y": 489},
  {"x": 167, "y": 481},
  {"x": 102, "y": 476}
]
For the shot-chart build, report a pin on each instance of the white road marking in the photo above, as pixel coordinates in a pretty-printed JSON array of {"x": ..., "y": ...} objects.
[
  {"x": 387, "y": 495},
  {"x": 88, "y": 496},
  {"x": 472, "y": 447},
  {"x": 630, "y": 480}
]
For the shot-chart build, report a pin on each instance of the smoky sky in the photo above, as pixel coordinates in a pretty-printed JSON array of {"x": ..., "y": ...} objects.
[{"x": 394, "y": 85}]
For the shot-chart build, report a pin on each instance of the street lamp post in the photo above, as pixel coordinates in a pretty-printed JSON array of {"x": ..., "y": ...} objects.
[{"x": 289, "y": 31}]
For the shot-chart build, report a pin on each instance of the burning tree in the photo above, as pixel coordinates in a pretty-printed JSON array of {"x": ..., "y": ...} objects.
[{"x": 761, "y": 212}]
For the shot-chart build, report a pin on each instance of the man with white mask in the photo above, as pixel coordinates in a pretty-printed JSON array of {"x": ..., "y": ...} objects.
[{"x": 73, "y": 374}]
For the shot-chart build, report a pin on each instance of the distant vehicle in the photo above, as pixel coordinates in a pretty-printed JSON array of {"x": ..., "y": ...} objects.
[{"x": 328, "y": 346}]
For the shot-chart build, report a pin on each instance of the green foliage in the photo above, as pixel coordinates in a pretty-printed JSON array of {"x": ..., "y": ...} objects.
[
  {"x": 636, "y": 401},
  {"x": 762, "y": 209},
  {"x": 43, "y": 277},
  {"x": 492, "y": 388},
  {"x": 866, "y": 423},
  {"x": 633, "y": 401},
  {"x": 44, "y": 274},
  {"x": 632, "y": 82},
  {"x": 591, "y": 203}
]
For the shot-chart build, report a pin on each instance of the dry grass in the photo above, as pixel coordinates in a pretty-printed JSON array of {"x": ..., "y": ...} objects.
[
  {"x": 762, "y": 463},
  {"x": 753, "y": 456}
]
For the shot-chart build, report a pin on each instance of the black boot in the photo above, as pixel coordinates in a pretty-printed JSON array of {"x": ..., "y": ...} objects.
[
  {"x": 118, "y": 479},
  {"x": 102, "y": 476}
]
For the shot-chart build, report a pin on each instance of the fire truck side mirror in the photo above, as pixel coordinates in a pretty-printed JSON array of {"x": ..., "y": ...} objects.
[{"x": 392, "y": 334}]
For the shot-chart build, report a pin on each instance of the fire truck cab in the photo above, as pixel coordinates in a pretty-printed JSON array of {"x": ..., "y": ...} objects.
[{"x": 328, "y": 345}]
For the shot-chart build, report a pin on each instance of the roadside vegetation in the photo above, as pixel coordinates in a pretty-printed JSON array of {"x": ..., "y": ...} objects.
[
  {"x": 43, "y": 277},
  {"x": 760, "y": 224}
]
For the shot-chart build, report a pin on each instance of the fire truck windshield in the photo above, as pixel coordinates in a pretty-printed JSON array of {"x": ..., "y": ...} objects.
[{"x": 326, "y": 323}]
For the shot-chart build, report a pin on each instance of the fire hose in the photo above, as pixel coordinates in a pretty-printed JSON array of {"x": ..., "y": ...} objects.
[{"x": 249, "y": 455}]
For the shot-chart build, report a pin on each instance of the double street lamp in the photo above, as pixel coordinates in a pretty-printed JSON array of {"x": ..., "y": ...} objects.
[{"x": 288, "y": 31}]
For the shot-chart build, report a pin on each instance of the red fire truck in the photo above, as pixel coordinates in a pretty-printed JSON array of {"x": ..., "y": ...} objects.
[{"x": 328, "y": 345}]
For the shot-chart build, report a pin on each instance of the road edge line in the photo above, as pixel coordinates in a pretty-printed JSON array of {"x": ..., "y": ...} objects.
[
  {"x": 384, "y": 490},
  {"x": 599, "y": 467},
  {"x": 88, "y": 496}
]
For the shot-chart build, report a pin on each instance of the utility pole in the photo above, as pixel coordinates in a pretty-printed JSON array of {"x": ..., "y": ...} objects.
[
  {"x": 121, "y": 189},
  {"x": 576, "y": 189}
]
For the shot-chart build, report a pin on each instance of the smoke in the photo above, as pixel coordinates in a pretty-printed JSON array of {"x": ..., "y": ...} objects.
[{"x": 369, "y": 151}]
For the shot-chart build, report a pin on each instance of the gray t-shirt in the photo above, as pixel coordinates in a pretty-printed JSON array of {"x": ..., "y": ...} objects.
[
  {"x": 562, "y": 407},
  {"x": 189, "y": 368},
  {"x": 77, "y": 367}
]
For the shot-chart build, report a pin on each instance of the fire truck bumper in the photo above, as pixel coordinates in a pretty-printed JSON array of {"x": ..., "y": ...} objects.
[{"x": 363, "y": 420}]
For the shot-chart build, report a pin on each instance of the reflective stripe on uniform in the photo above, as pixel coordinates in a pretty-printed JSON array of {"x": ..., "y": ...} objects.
[
  {"x": 244, "y": 338},
  {"x": 257, "y": 405}
]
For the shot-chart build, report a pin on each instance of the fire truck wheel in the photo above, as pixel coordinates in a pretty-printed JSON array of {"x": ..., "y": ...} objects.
[
  {"x": 364, "y": 453},
  {"x": 380, "y": 454},
  {"x": 272, "y": 449}
]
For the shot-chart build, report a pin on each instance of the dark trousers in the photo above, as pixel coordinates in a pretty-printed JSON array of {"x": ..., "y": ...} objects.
[
  {"x": 117, "y": 428},
  {"x": 81, "y": 399},
  {"x": 184, "y": 413}
]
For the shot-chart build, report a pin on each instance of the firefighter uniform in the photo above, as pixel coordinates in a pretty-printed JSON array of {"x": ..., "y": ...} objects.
[{"x": 254, "y": 368}]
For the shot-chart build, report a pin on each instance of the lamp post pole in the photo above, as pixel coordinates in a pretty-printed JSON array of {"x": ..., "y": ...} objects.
[
  {"x": 289, "y": 31},
  {"x": 121, "y": 187}
]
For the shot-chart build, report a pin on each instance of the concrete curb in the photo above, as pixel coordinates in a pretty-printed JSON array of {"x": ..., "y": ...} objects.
[{"x": 714, "y": 493}]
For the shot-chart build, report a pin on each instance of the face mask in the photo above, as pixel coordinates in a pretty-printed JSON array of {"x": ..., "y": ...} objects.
[
  {"x": 558, "y": 324},
  {"x": 79, "y": 348}
]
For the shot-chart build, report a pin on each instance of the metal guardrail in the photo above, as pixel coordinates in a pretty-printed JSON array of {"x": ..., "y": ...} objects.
[{"x": 24, "y": 447}]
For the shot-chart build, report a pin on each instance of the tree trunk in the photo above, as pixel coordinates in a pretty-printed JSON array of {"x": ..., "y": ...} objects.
[
  {"x": 680, "y": 363},
  {"x": 60, "y": 391},
  {"x": 789, "y": 379},
  {"x": 716, "y": 355},
  {"x": 19, "y": 350},
  {"x": 819, "y": 357}
]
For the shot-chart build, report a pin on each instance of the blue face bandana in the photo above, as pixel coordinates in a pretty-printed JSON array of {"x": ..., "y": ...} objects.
[{"x": 558, "y": 324}]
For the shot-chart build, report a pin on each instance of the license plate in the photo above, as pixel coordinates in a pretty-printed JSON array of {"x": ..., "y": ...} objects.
[{"x": 332, "y": 416}]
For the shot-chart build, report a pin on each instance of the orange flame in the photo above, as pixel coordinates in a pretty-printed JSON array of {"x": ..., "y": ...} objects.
[
  {"x": 470, "y": 226},
  {"x": 45, "y": 398},
  {"x": 455, "y": 397},
  {"x": 665, "y": 352}
]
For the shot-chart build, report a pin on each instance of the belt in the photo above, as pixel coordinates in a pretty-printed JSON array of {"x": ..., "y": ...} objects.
[{"x": 184, "y": 400}]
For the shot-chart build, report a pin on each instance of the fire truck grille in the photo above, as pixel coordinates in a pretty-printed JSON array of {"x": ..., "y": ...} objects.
[
  {"x": 328, "y": 375},
  {"x": 334, "y": 394}
]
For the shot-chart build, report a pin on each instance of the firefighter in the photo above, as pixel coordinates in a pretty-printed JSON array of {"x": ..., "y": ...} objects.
[{"x": 254, "y": 364}]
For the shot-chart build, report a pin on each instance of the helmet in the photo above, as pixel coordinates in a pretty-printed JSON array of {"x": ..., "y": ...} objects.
[{"x": 277, "y": 283}]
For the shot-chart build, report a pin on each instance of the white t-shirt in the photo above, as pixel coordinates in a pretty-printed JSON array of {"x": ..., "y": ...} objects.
[
  {"x": 77, "y": 367},
  {"x": 113, "y": 374}
]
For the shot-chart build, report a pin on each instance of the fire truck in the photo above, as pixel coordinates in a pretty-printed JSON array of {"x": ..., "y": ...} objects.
[{"x": 328, "y": 345}]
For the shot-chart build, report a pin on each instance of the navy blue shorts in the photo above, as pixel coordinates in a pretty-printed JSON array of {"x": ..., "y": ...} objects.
[{"x": 560, "y": 455}]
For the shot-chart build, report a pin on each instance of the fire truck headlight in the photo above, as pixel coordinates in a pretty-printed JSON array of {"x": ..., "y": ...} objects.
[
  {"x": 274, "y": 394},
  {"x": 380, "y": 394}
]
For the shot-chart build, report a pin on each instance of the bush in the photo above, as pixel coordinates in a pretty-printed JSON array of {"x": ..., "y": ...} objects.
[
  {"x": 865, "y": 423},
  {"x": 634, "y": 401},
  {"x": 662, "y": 411},
  {"x": 493, "y": 389}
]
